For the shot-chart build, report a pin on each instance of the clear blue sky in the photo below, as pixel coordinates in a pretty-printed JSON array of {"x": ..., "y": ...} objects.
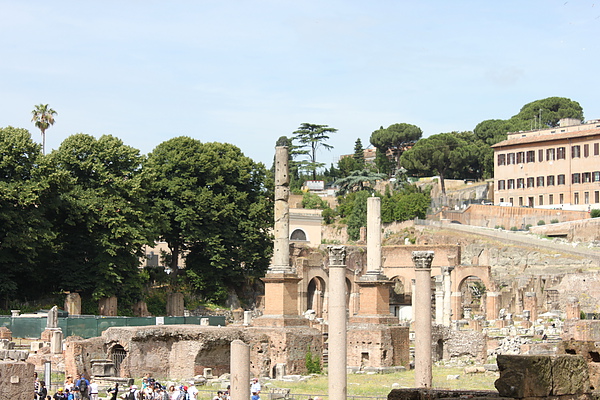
[{"x": 248, "y": 72}]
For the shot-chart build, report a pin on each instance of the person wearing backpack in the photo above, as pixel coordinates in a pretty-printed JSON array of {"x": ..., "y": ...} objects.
[{"x": 83, "y": 385}]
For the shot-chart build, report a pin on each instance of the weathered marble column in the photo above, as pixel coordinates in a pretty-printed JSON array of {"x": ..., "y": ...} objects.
[
  {"x": 530, "y": 303},
  {"x": 439, "y": 300},
  {"x": 374, "y": 286},
  {"x": 281, "y": 251},
  {"x": 573, "y": 308},
  {"x": 374, "y": 235},
  {"x": 423, "y": 362},
  {"x": 240, "y": 370},
  {"x": 446, "y": 272},
  {"x": 492, "y": 300},
  {"x": 337, "y": 323},
  {"x": 413, "y": 298},
  {"x": 281, "y": 281}
]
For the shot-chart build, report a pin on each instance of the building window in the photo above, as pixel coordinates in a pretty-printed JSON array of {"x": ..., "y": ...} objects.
[
  {"x": 540, "y": 155},
  {"x": 520, "y": 202},
  {"x": 560, "y": 153},
  {"x": 576, "y": 198},
  {"x": 501, "y": 159},
  {"x": 511, "y": 184},
  {"x": 561, "y": 198},
  {"x": 501, "y": 199},
  {"x": 520, "y": 157},
  {"x": 530, "y": 182},
  {"x": 521, "y": 183},
  {"x": 530, "y": 202},
  {"x": 511, "y": 201},
  {"x": 586, "y": 177},
  {"x": 550, "y": 155},
  {"x": 540, "y": 181},
  {"x": 575, "y": 151},
  {"x": 541, "y": 200},
  {"x": 596, "y": 149},
  {"x": 501, "y": 185},
  {"x": 586, "y": 197},
  {"x": 596, "y": 176},
  {"x": 550, "y": 199},
  {"x": 586, "y": 150},
  {"x": 511, "y": 158},
  {"x": 550, "y": 180},
  {"x": 576, "y": 178},
  {"x": 561, "y": 180},
  {"x": 596, "y": 197},
  {"x": 531, "y": 156}
]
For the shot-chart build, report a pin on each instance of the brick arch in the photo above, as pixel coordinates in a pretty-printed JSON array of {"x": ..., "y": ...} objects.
[
  {"x": 315, "y": 294},
  {"x": 460, "y": 275}
]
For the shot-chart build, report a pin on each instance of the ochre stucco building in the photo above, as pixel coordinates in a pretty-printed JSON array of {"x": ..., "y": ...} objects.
[{"x": 550, "y": 168}]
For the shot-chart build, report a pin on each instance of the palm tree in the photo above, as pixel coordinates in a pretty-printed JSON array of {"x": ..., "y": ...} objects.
[{"x": 43, "y": 116}]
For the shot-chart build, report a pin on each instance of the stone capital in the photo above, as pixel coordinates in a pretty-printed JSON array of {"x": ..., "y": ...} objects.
[
  {"x": 447, "y": 269},
  {"x": 337, "y": 255},
  {"x": 422, "y": 259}
]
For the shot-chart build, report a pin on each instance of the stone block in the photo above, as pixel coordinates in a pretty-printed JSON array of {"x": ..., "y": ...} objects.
[
  {"x": 16, "y": 380},
  {"x": 103, "y": 368},
  {"x": 5, "y": 333},
  {"x": 569, "y": 375},
  {"x": 524, "y": 376},
  {"x": 542, "y": 376}
]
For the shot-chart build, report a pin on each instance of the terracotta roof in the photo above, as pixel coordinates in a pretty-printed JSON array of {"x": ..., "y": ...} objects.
[{"x": 547, "y": 137}]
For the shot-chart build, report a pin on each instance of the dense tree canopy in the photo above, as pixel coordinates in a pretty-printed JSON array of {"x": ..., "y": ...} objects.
[
  {"x": 395, "y": 138},
  {"x": 453, "y": 154},
  {"x": 24, "y": 231},
  {"x": 214, "y": 208},
  {"x": 539, "y": 114},
  {"x": 101, "y": 216}
]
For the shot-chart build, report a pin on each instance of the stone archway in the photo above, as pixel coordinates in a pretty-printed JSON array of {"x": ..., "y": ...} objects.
[
  {"x": 400, "y": 298},
  {"x": 215, "y": 355},
  {"x": 117, "y": 354},
  {"x": 315, "y": 296},
  {"x": 473, "y": 297}
]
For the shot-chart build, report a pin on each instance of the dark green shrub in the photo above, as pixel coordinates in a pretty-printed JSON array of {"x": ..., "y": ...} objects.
[
  {"x": 313, "y": 362},
  {"x": 595, "y": 213},
  {"x": 541, "y": 222},
  {"x": 554, "y": 221}
]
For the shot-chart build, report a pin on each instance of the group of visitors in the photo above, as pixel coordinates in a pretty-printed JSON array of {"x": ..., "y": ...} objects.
[{"x": 79, "y": 389}]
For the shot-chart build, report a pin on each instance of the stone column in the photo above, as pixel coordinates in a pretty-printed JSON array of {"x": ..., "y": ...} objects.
[
  {"x": 337, "y": 323},
  {"x": 492, "y": 305},
  {"x": 281, "y": 251},
  {"x": 439, "y": 300},
  {"x": 73, "y": 304},
  {"x": 56, "y": 342},
  {"x": 446, "y": 272},
  {"x": 374, "y": 235},
  {"x": 374, "y": 286},
  {"x": 423, "y": 363},
  {"x": 281, "y": 281},
  {"x": 530, "y": 303},
  {"x": 573, "y": 309},
  {"x": 175, "y": 304},
  {"x": 240, "y": 370},
  {"x": 413, "y": 296}
]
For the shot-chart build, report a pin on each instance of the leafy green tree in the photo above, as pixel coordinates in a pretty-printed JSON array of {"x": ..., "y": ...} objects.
[
  {"x": 24, "y": 230},
  {"x": 359, "y": 180},
  {"x": 444, "y": 154},
  {"x": 311, "y": 137},
  {"x": 358, "y": 216},
  {"x": 409, "y": 203},
  {"x": 346, "y": 165},
  {"x": 43, "y": 116},
  {"x": 101, "y": 217},
  {"x": 214, "y": 208},
  {"x": 383, "y": 163},
  {"x": 396, "y": 138}
]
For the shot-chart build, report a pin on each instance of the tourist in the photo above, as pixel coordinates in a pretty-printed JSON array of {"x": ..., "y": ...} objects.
[
  {"x": 173, "y": 392},
  {"x": 69, "y": 384},
  {"x": 60, "y": 394},
  {"x": 255, "y": 386},
  {"x": 36, "y": 385},
  {"x": 83, "y": 385},
  {"x": 114, "y": 392},
  {"x": 193, "y": 391},
  {"x": 42, "y": 392},
  {"x": 218, "y": 396},
  {"x": 133, "y": 393},
  {"x": 76, "y": 393},
  {"x": 93, "y": 390}
]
